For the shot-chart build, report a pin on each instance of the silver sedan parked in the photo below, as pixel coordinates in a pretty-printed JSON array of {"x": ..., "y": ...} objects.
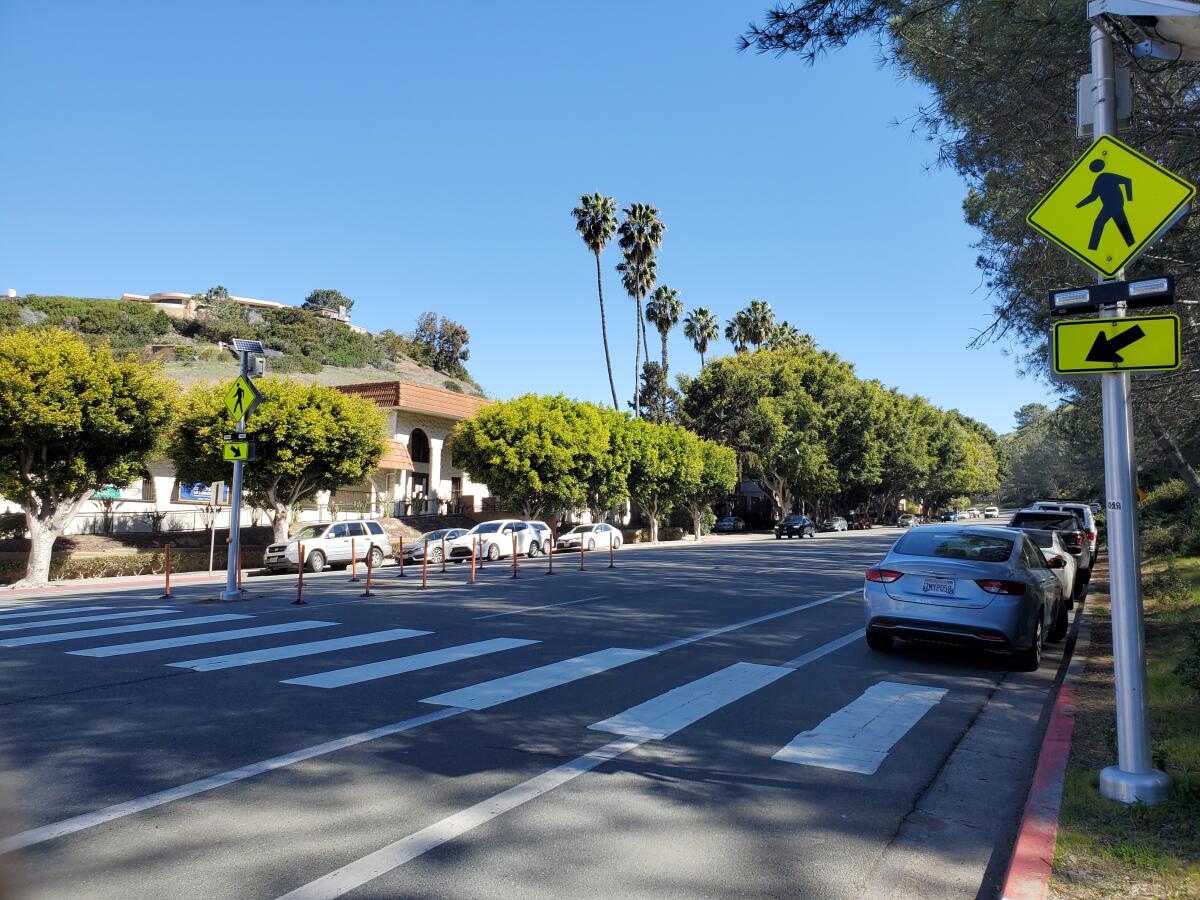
[{"x": 981, "y": 587}]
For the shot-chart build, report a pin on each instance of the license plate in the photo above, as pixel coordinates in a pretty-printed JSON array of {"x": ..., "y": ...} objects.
[{"x": 938, "y": 586}]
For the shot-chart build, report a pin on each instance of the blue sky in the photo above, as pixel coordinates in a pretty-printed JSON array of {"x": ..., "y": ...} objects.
[{"x": 427, "y": 157}]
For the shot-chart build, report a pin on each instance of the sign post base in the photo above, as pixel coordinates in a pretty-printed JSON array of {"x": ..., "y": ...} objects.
[{"x": 1134, "y": 787}]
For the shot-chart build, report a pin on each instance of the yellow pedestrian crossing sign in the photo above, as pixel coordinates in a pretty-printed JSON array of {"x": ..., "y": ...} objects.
[
  {"x": 1128, "y": 344},
  {"x": 1110, "y": 206},
  {"x": 242, "y": 397}
]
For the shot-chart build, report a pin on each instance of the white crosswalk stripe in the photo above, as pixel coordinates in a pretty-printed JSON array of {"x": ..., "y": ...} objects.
[
  {"x": 74, "y": 620},
  {"x": 207, "y": 637},
  {"x": 292, "y": 651},
  {"x": 371, "y": 671},
  {"x": 49, "y": 611},
  {"x": 117, "y": 629}
]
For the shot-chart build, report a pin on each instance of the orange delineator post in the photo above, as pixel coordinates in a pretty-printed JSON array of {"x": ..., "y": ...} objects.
[
  {"x": 400, "y": 558},
  {"x": 299, "y": 601},
  {"x": 581, "y": 553},
  {"x": 353, "y": 561},
  {"x": 367, "y": 588},
  {"x": 473, "y": 540},
  {"x": 239, "y": 564},
  {"x": 611, "y": 564},
  {"x": 550, "y": 555},
  {"x": 425, "y": 567},
  {"x": 514, "y": 537},
  {"x": 167, "y": 572},
  {"x": 443, "y": 554}
]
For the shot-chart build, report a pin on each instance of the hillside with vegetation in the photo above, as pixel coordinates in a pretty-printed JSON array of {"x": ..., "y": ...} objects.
[{"x": 313, "y": 347}]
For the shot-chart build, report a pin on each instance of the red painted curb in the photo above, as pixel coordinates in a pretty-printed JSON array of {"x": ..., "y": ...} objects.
[{"x": 1033, "y": 856}]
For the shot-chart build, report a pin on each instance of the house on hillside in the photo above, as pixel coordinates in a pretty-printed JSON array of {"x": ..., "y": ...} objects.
[{"x": 187, "y": 306}]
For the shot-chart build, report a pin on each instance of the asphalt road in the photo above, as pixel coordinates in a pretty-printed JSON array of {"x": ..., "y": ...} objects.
[{"x": 626, "y": 747}]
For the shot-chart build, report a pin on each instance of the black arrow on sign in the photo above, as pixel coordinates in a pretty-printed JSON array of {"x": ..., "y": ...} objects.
[
  {"x": 235, "y": 450},
  {"x": 1107, "y": 349}
]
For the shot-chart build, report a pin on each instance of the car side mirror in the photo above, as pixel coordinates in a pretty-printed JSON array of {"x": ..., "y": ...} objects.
[{"x": 1058, "y": 563}]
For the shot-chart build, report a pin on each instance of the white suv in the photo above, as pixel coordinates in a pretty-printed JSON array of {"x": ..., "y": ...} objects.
[
  {"x": 330, "y": 544},
  {"x": 1081, "y": 509},
  {"x": 496, "y": 539}
]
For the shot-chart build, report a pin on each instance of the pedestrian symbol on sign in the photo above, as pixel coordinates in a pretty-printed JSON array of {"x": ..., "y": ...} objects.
[
  {"x": 242, "y": 397},
  {"x": 1107, "y": 189}
]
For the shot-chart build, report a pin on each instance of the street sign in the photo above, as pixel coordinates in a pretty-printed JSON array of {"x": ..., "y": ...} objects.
[
  {"x": 1110, "y": 206},
  {"x": 1134, "y": 294},
  {"x": 239, "y": 450},
  {"x": 1129, "y": 344},
  {"x": 242, "y": 397}
]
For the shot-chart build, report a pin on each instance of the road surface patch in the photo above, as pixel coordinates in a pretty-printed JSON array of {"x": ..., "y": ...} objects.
[
  {"x": 118, "y": 629},
  {"x": 293, "y": 651}
]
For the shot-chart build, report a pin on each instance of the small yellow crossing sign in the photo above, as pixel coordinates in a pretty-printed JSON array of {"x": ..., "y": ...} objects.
[
  {"x": 239, "y": 450},
  {"x": 1110, "y": 206},
  {"x": 242, "y": 397},
  {"x": 1131, "y": 344}
]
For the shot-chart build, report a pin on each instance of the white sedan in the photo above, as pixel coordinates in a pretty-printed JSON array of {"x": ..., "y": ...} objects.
[
  {"x": 1060, "y": 560},
  {"x": 593, "y": 537}
]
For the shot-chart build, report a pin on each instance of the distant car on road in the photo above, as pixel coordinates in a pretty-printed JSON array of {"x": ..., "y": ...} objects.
[
  {"x": 908, "y": 521},
  {"x": 1061, "y": 560},
  {"x": 985, "y": 587},
  {"x": 835, "y": 523},
  {"x": 1086, "y": 516},
  {"x": 414, "y": 551},
  {"x": 972, "y": 513},
  {"x": 991, "y": 512},
  {"x": 330, "y": 544},
  {"x": 729, "y": 525},
  {"x": 599, "y": 536},
  {"x": 861, "y": 521},
  {"x": 950, "y": 517},
  {"x": 495, "y": 539},
  {"x": 796, "y": 526},
  {"x": 1068, "y": 526}
]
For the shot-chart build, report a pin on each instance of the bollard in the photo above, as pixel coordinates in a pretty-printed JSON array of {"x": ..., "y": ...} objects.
[
  {"x": 443, "y": 554},
  {"x": 367, "y": 590},
  {"x": 611, "y": 564},
  {"x": 167, "y": 572},
  {"x": 581, "y": 553},
  {"x": 550, "y": 555},
  {"x": 473, "y": 540},
  {"x": 425, "y": 567},
  {"x": 514, "y": 537},
  {"x": 239, "y": 564},
  {"x": 353, "y": 561},
  {"x": 299, "y": 601},
  {"x": 400, "y": 558}
]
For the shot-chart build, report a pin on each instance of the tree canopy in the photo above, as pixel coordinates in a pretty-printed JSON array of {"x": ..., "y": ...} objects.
[
  {"x": 327, "y": 298},
  {"x": 308, "y": 438},
  {"x": 72, "y": 420}
]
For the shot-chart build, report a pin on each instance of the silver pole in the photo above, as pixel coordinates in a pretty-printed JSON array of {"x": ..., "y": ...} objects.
[
  {"x": 235, "y": 509},
  {"x": 1134, "y": 778}
]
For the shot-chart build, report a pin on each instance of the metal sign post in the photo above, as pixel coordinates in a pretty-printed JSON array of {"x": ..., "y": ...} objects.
[
  {"x": 232, "y": 590},
  {"x": 1134, "y": 778}
]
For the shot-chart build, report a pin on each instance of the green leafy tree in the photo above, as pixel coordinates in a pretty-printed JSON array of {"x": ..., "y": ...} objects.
[
  {"x": 596, "y": 222},
  {"x": 710, "y": 475},
  {"x": 661, "y": 468},
  {"x": 660, "y": 401},
  {"x": 441, "y": 343},
  {"x": 72, "y": 420},
  {"x": 308, "y": 438},
  {"x": 641, "y": 236},
  {"x": 538, "y": 454},
  {"x": 701, "y": 328},
  {"x": 327, "y": 298},
  {"x": 607, "y": 479},
  {"x": 664, "y": 311}
]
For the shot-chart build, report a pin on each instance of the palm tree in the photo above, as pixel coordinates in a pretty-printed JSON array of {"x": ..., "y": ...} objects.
[
  {"x": 596, "y": 222},
  {"x": 664, "y": 311},
  {"x": 786, "y": 336},
  {"x": 737, "y": 331},
  {"x": 700, "y": 327},
  {"x": 640, "y": 236},
  {"x": 759, "y": 321}
]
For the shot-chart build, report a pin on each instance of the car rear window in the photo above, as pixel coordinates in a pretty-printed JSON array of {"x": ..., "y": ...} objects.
[
  {"x": 955, "y": 545},
  {"x": 375, "y": 528},
  {"x": 1042, "y": 538},
  {"x": 1055, "y": 521}
]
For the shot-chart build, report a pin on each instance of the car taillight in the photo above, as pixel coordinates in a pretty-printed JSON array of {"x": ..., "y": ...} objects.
[
  {"x": 1074, "y": 538},
  {"x": 996, "y": 586},
  {"x": 887, "y": 576},
  {"x": 1091, "y": 535}
]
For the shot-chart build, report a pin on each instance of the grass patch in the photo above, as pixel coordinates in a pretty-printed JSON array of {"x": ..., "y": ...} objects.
[{"x": 1107, "y": 849}]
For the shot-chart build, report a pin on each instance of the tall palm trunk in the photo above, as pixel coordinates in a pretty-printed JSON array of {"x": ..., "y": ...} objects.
[
  {"x": 702, "y": 359},
  {"x": 637, "y": 361},
  {"x": 612, "y": 385},
  {"x": 645, "y": 342},
  {"x": 663, "y": 399}
]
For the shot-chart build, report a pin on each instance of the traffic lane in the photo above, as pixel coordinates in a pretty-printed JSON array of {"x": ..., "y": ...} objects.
[
  {"x": 313, "y": 817},
  {"x": 154, "y": 726}
]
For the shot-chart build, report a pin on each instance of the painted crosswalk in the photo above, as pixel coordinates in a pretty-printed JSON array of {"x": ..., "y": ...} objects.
[
  {"x": 294, "y": 651},
  {"x": 82, "y": 634},
  {"x": 206, "y": 637},
  {"x": 77, "y": 620},
  {"x": 49, "y": 611},
  {"x": 371, "y": 671}
]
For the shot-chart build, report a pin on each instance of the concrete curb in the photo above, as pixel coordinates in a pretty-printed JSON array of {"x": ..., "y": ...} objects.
[{"x": 1028, "y": 876}]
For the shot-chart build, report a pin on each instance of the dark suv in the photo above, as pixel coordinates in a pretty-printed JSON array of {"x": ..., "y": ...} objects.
[
  {"x": 798, "y": 526},
  {"x": 1070, "y": 529}
]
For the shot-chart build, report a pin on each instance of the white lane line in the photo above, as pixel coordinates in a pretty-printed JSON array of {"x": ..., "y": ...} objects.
[
  {"x": 49, "y": 611},
  {"x": 117, "y": 629},
  {"x": 51, "y": 623},
  {"x": 662, "y": 716},
  {"x": 371, "y": 671},
  {"x": 212, "y": 782},
  {"x": 292, "y": 651},
  {"x": 805, "y": 658},
  {"x": 208, "y": 637},
  {"x": 532, "y": 681},
  {"x": 368, "y": 868},
  {"x": 745, "y": 623},
  {"x": 858, "y": 736},
  {"x": 517, "y": 612}
]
